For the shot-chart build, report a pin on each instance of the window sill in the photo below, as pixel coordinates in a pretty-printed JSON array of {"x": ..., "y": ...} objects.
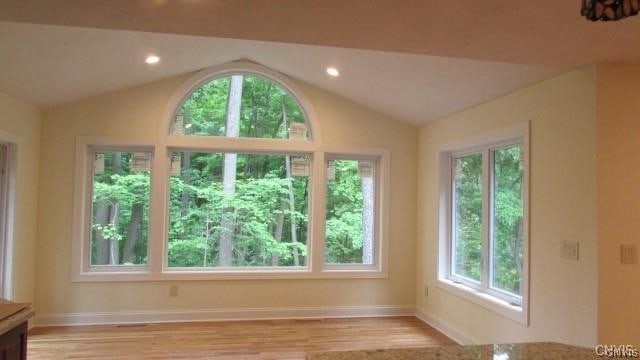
[
  {"x": 187, "y": 275},
  {"x": 487, "y": 301}
]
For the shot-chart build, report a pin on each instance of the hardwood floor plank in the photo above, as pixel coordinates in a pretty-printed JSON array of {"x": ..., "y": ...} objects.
[{"x": 230, "y": 340}]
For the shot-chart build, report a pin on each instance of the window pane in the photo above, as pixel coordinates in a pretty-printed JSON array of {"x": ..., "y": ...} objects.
[
  {"x": 467, "y": 222},
  {"x": 238, "y": 210},
  {"x": 507, "y": 244},
  {"x": 349, "y": 227},
  {"x": 120, "y": 221},
  {"x": 257, "y": 108}
]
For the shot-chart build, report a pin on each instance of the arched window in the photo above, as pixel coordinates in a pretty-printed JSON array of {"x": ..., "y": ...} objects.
[
  {"x": 237, "y": 185},
  {"x": 231, "y": 206},
  {"x": 241, "y": 105}
]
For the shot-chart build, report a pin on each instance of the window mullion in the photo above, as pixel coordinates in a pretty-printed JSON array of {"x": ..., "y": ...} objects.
[
  {"x": 88, "y": 209},
  {"x": 452, "y": 217},
  {"x": 157, "y": 230},
  {"x": 486, "y": 219},
  {"x": 317, "y": 211}
]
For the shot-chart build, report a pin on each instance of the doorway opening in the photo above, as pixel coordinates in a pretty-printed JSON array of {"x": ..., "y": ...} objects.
[{"x": 7, "y": 201}]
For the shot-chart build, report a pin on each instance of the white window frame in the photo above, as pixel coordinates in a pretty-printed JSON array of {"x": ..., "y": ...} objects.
[
  {"x": 481, "y": 293},
  {"x": 230, "y": 270},
  {"x": 83, "y": 205},
  {"x": 377, "y": 230},
  {"x": 164, "y": 143}
]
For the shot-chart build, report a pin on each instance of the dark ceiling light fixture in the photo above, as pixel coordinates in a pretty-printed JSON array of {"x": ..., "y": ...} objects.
[{"x": 609, "y": 10}]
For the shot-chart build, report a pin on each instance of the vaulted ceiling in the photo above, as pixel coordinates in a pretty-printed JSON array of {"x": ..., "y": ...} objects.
[{"x": 415, "y": 60}]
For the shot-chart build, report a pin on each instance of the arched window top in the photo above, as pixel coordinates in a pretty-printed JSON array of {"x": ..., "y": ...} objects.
[{"x": 245, "y": 101}]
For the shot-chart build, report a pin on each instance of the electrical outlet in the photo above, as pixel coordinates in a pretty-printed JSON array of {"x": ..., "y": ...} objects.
[
  {"x": 173, "y": 290},
  {"x": 570, "y": 250},
  {"x": 629, "y": 254}
]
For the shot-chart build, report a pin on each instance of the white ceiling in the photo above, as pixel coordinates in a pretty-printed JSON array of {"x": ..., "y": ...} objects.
[
  {"x": 515, "y": 31},
  {"x": 50, "y": 65}
]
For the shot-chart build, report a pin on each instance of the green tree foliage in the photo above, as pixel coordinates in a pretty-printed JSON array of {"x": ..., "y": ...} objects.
[
  {"x": 507, "y": 213},
  {"x": 343, "y": 231},
  {"x": 205, "y": 110},
  {"x": 120, "y": 188},
  {"x": 468, "y": 216},
  {"x": 261, "y": 188},
  {"x": 267, "y": 230}
]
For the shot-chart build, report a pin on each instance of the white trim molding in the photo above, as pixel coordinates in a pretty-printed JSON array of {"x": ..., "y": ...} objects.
[
  {"x": 446, "y": 329},
  {"x": 157, "y": 270},
  {"x": 482, "y": 294},
  {"x": 223, "y": 314},
  {"x": 247, "y": 314}
]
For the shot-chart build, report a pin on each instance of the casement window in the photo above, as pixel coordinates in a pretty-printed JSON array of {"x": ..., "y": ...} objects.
[
  {"x": 484, "y": 238},
  {"x": 237, "y": 185}
]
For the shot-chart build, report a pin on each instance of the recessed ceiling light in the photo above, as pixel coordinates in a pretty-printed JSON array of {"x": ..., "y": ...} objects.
[
  {"x": 333, "y": 71},
  {"x": 152, "y": 59}
]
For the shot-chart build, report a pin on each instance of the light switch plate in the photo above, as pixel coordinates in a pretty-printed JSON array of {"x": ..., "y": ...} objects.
[
  {"x": 570, "y": 250},
  {"x": 629, "y": 253}
]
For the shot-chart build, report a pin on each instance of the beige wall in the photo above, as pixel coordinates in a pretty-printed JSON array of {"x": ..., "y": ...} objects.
[
  {"x": 20, "y": 122},
  {"x": 138, "y": 113},
  {"x": 562, "y": 207},
  {"x": 618, "y": 202}
]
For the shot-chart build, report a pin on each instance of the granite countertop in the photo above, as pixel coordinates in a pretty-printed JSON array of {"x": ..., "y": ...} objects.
[
  {"x": 525, "y": 351},
  {"x": 13, "y": 314}
]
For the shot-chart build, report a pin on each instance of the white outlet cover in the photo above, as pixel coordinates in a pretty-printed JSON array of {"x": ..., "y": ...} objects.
[{"x": 570, "y": 250}]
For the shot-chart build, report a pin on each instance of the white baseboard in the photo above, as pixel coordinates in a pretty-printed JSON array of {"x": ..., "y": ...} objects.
[
  {"x": 446, "y": 329},
  {"x": 162, "y": 316},
  {"x": 229, "y": 314}
]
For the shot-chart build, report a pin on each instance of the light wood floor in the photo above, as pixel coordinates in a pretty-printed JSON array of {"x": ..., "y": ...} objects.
[{"x": 233, "y": 340}]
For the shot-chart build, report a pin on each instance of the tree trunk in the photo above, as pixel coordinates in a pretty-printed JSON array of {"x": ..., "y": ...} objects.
[
  {"x": 114, "y": 244},
  {"x": 225, "y": 252},
  {"x": 117, "y": 162},
  {"x": 133, "y": 234},
  {"x": 186, "y": 177},
  {"x": 367, "y": 220},
  {"x": 292, "y": 204},
  {"x": 185, "y": 173},
  {"x": 102, "y": 244},
  {"x": 275, "y": 258},
  {"x": 292, "y": 208},
  {"x": 207, "y": 236},
  {"x": 114, "y": 212}
]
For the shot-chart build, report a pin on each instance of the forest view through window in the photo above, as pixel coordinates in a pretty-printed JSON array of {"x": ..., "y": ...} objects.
[
  {"x": 232, "y": 192},
  {"x": 119, "y": 227},
  {"x": 502, "y": 242},
  {"x": 349, "y": 230},
  {"x": 238, "y": 210},
  {"x": 257, "y": 108}
]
